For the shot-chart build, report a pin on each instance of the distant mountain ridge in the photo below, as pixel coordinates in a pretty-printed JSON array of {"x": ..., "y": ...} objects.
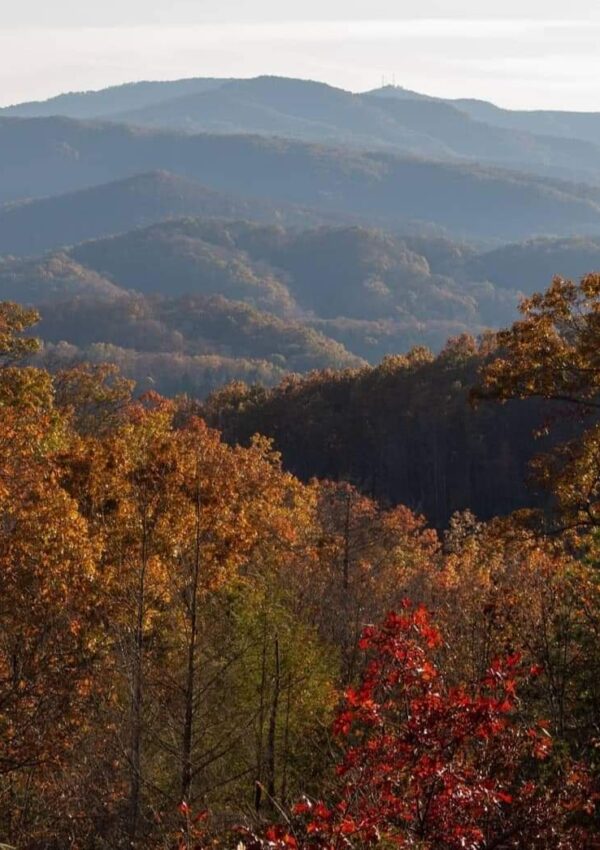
[
  {"x": 55, "y": 277},
  {"x": 192, "y": 326},
  {"x": 395, "y": 119},
  {"x": 39, "y": 225},
  {"x": 99, "y": 104}
]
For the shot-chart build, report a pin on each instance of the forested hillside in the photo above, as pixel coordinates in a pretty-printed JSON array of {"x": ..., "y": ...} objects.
[
  {"x": 190, "y": 652},
  {"x": 403, "y": 432},
  {"x": 191, "y": 344},
  {"x": 326, "y": 272},
  {"x": 316, "y": 298}
]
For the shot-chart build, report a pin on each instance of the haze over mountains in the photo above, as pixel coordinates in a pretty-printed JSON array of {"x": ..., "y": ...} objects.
[{"x": 310, "y": 227}]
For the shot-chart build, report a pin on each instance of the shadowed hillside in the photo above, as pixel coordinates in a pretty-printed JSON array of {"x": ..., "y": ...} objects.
[
  {"x": 403, "y": 432},
  {"x": 530, "y": 265}
]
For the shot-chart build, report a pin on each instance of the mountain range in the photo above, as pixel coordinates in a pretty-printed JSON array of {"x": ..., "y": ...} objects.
[
  {"x": 51, "y": 156},
  {"x": 266, "y": 299},
  {"x": 211, "y": 229}
]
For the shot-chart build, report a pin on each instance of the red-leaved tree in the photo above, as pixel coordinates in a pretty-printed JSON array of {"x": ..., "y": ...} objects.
[{"x": 435, "y": 767}]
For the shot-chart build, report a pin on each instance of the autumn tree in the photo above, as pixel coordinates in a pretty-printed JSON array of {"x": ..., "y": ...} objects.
[
  {"x": 428, "y": 765},
  {"x": 50, "y": 630},
  {"x": 243, "y": 525},
  {"x": 201, "y": 548},
  {"x": 15, "y": 319},
  {"x": 367, "y": 558},
  {"x": 553, "y": 353},
  {"x": 500, "y": 587},
  {"x": 94, "y": 397}
]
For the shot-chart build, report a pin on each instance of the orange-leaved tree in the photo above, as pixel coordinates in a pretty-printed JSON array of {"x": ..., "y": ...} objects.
[
  {"x": 49, "y": 626},
  {"x": 553, "y": 353}
]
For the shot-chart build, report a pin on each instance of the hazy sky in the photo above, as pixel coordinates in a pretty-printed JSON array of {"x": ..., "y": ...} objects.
[{"x": 532, "y": 53}]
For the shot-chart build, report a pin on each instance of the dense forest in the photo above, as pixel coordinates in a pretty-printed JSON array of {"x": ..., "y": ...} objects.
[
  {"x": 197, "y": 646},
  {"x": 405, "y": 431}
]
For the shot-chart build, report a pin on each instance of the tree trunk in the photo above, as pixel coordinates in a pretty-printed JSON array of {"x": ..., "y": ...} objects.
[
  {"x": 137, "y": 693},
  {"x": 261, "y": 720},
  {"x": 188, "y": 723},
  {"x": 286, "y": 742},
  {"x": 271, "y": 744}
]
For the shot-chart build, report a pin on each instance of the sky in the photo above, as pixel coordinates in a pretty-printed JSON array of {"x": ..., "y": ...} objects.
[{"x": 527, "y": 54}]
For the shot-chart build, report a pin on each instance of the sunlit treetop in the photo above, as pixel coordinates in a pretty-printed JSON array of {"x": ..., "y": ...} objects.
[
  {"x": 15, "y": 319},
  {"x": 553, "y": 352}
]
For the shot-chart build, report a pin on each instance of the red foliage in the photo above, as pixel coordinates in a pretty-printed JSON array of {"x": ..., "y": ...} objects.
[
  {"x": 192, "y": 834},
  {"x": 435, "y": 767}
]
